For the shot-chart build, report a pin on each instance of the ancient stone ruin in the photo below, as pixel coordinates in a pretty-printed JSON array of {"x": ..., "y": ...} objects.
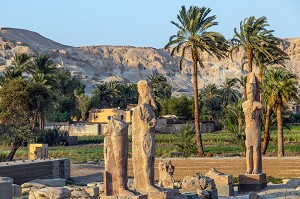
[
  {"x": 165, "y": 174},
  {"x": 116, "y": 158},
  {"x": 223, "y": 182},
  {"x": 253, "y": 179}
]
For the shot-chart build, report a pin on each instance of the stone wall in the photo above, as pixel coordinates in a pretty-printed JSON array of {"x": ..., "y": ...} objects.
[
  {"x": 175, "y": 128},
  {"x": 24, "y": 171},
  {"x": 287, "y": 167}
]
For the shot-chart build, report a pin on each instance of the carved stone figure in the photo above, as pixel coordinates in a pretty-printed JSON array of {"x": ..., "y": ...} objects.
[
  {"x": 116, "y": 158},
  {"x": 251, "y": 108},
  {"x": 143, "y": 142},
  {"x": 165, "y": 173}
]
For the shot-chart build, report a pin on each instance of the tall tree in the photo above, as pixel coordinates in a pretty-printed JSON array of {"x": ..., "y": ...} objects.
[
  {"x": 212, "y": 100},
  {"x": 229, "y": 91},
  {"x": 279, "y": 86},
  {"x": 253, "y": 37},
  {"x": 15, "y": 112},
  {"x": 262, "y": 62},
  {"x": 193, "y": 35}
]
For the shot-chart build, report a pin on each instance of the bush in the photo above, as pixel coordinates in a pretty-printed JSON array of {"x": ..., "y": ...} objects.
[
  {"x": 52, "y": 137},
  {"x": 186, "y": 141},
  {"x": 2, "y": 156}
]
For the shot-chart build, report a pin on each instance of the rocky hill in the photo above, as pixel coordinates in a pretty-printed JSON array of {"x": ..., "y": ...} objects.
[{"x": 94, "y": 64}]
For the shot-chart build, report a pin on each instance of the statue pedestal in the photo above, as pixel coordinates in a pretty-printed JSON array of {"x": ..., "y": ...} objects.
[
  {"x": 167, "y": 194},
  {"x": 252, "y": 182}
]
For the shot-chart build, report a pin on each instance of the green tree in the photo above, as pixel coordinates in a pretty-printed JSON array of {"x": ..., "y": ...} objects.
[
  {"x": 15, "y": 113},
  {"x": 193, "y": 36},
  {"x": 212, "y": 100},
  {"x": 180, "y": 106},
  {"x": 254, "y": 38},
  {"x": 126, "y": 94},
  {"x": 102, "y": 96},
  {"x": 229, "y": 91},
  {"x": 83, "y": 104},
  {"x": 42, "y": 70},
  {"x": 279, "y": 86}
]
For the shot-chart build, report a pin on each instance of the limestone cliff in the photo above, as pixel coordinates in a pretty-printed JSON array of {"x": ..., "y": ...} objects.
[{"x": 93, "y": 64}]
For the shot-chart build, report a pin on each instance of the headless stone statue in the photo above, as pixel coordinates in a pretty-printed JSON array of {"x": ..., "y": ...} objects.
[
  {"x": 251, "y": 108},
  {"x": 143, "y": 142},
  {"x": 116, "y": 158}
]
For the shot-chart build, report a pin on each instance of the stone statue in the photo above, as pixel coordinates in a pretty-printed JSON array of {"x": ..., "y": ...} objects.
[
  {"x": 143, "y": 142},
  {"x": 116, "y": 158},
  {"x": 251, "y": 108},
  {"x": 165, "y": 174}
]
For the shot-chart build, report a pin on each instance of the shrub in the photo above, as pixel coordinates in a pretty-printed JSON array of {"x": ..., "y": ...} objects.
[
  {"x": 2, "y": 156},
  {"x": 52, "y": 137},
  {"x": 186, "y": 141}
]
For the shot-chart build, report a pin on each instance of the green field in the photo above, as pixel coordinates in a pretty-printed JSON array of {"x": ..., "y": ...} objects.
[{"x": 215, "y": 144}]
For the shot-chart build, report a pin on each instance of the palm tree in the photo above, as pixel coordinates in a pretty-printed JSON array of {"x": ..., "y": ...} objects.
[
  {"x": 42, "y": 70},
  {"x": 229, "y": 91},
  {"x": 102, "y": 96},
  {"x": 21, "y": 61},
  {"x": 193, "y": 36},
  {"x": 260, "y": 60},
  {"x": 279, "y": 87},
  {"x": 126, "y": 94},
  {"x": 212, "y": 100},
  {"x": 254, "y": 37}
]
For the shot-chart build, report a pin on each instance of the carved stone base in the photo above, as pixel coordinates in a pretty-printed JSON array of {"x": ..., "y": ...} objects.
[
  {"x": 125, "y": 197},
  {"x": 168, "y": 194},
  {"x": 252, "y": 182}
]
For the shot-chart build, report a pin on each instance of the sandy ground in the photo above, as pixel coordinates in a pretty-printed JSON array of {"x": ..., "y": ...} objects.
[{"x": 87, "y": 173}]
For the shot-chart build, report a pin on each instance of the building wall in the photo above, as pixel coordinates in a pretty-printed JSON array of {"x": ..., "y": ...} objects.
[
  {"x": 84, "y": 129},
  {"x": 24, "y": 171},
  {"x": 286, "y": 167},
  {"x": 104, "y": 115}
]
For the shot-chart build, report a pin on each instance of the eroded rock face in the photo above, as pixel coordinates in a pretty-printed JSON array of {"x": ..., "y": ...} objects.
[
  {"x": 116, "y": 158},
  {"x": 251, "y": 108},
  {"x": 165, "y": 173},
  {"x": 143, "y": 141}
]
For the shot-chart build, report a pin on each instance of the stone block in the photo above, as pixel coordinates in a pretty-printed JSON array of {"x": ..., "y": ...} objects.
[
  {"x": 17, "y": 191},
  {"x": 252, "y": 182},
  {"x": 225, "y": 190},
  {"x": 92, "y": 190},
  {"x": 57, "y": 182},
  {"x": 125, "y": 197},
  {"x": 6, "y": 189}
]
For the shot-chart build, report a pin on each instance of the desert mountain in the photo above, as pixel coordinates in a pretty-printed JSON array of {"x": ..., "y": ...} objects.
[{"x": 95, "y": 64}]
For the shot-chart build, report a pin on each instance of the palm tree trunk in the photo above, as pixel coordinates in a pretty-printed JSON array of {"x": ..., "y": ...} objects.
[
  {"x": 250, "y": 59},
  {"x": 280, "y": 128},
  {"x": 260, "y": 74},
  {"x": 266, "y": 131},
  {"x": 196, "y": 108}
]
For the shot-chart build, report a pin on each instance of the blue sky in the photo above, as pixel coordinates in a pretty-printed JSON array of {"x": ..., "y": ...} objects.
[{"x": 137, "y": 22}]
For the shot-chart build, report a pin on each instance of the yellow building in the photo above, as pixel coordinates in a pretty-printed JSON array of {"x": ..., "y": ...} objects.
[
  {"x": 37, "y": 151},
  {"x": 104, "y": 115}
]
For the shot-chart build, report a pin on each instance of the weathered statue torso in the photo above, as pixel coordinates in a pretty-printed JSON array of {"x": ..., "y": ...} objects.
[{"x": 143, "y": 141}]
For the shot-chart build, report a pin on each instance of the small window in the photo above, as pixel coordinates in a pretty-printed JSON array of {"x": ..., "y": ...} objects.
[
  {"x": 122, "y": 117},
  {"x": 108, "y": 117}
]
